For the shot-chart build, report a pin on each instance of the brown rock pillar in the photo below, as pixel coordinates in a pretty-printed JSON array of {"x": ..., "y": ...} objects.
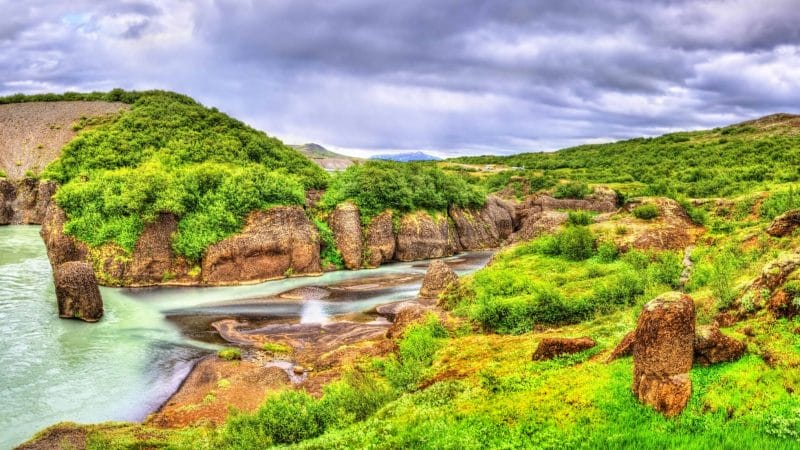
[
  {"x": 663, "y": 351},
  {"x": 77, "y": 292}
]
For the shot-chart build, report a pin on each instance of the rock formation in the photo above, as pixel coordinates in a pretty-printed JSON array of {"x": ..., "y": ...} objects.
[
  {"x": 785, "y": 224},
  {"x": 153, "y": 259},
  {"x": 711, "y": 346},
  {"x": 550, "y": 348},
  {"x": 663, "y": 351},
  {"x": 61, "y": 248},
  {"x": 380, "y": 241},
  {"x": 274, "y": 243},
  {"x": 624, "y": 348},
  {"x": 77, "y": 292},
  {"x": 24, "y": 201},
  {"x": 437, "y": 278},
  {"x": 423, "y": 237},
  {"x": 345, "y": 222},
  {"x": 487, "y": 227}
]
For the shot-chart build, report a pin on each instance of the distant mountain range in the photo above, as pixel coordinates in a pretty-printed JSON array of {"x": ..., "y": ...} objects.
[{"x": 407, "y": 157}]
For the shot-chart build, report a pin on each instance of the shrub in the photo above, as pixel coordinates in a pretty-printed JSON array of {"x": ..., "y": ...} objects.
[
  {"x": 646, "y": 212},
  {"x": 2, "y": 174},
  {"x": 230, "y": 353},
  {"x": 285, "y": 418},
  {"x": 415, "y": 354},
  {"x": 780, "y": 202},
  {"x": 375, "y": 186},
  {"x": 721, "y": 279},
  {"x": 607, "y": 252},
  {"x": 666, "y": 269},
  {"x": 576, "y": 243},
  {"x": 622, "y": 290},
  {"x": 572, "y": 189},
  {"x": 579, "y": 218},
  {"x": 329, "y": 253}
]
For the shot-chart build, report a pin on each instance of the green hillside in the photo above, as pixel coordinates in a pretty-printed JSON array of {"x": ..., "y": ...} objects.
[{"x": 713, "y": 163}]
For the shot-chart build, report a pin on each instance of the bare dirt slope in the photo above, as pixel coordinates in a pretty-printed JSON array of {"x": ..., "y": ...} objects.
[{"x": 32, "y": 134}]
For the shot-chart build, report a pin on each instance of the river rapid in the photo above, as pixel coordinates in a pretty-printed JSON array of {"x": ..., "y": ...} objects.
[{"x": 125, "y": 366}]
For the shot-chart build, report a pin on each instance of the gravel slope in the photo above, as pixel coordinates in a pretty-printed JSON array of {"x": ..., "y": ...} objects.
[{"x": 32, "y": 134}]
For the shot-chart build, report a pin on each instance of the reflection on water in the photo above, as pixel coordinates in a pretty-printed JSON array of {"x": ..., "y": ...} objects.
[{"x": 124, "y": 366}]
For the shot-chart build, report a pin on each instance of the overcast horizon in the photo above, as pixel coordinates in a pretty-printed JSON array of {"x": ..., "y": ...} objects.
[{"x": 446, "y": 77}]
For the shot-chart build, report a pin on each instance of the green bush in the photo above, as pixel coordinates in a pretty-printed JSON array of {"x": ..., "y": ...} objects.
[
  {"x": 170, "y": 154},
  {"x": 415, "y": 354},
  {"x": 285, "y": 418},
  {"x": 576, "y": 243},
  {"x": 579, "y": 218},
  {"x": 621, "y": 290},
  {"x": 572, "y": 189},
  {"x": 2, "y": 174},
  {"x": 666, "y": 269},
  {"x": 230, "y": 353},
  {"x": 780, "y": 202},
  {"x": 329, "y": 253},
  {"x": 607, "y": 252},
  {"x": 646, "y": 212},
  {"x": 375, "y": 186}
]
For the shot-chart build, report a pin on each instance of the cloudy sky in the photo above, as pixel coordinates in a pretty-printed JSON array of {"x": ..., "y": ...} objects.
[{"x": 445, "y": 76}]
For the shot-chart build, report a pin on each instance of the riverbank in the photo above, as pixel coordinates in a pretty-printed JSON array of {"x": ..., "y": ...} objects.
[{"x": 131, "y": 362}]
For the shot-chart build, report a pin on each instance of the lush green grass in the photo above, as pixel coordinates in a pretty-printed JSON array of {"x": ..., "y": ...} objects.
[
  {"x": 375, "y": 186},
  {"x": 171, "y": 154},
  {"x": 560, "y": 279}
]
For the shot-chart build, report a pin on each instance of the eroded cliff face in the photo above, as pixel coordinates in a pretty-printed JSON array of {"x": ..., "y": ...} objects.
[
  {"x": 24, "y": 201},
  {"x": 283, "y": 241}
]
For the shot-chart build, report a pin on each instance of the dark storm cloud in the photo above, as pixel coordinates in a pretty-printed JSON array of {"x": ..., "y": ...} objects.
[{"x": 448, "y": 75}]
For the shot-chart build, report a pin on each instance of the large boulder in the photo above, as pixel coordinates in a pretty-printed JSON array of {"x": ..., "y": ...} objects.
[
  {"x": 550, "y": 348},
  {"x": 153, "y": 260},
  {"x": 711, "y": 346},
  {"x": 61, "y": 248},
  {"x": 44, "y": 196},
  {"x": 26, "y": 203},
  {"x": 785, "y": 224},
  {"x": 776, "y": 272},
  {"x": 381, "y": 241},
  {"x": 77, "y": 292},
  {"x": 438, "y": 277},
  {"x": 274, "y": 243},
  {"x": 345, "y": 222},
  {"x": 423, "y": 237},
  {"x": 663, "y": 351}
]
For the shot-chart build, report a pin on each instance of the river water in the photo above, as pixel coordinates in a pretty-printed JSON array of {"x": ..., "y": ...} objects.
[{"x": 126, "y": 365}]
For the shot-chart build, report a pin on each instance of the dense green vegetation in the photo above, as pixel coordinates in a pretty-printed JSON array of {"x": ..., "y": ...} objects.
[
  {"x": 170, "y": 154},
  {"x": 720, "y": 162},
  {"x": 375, "y": 186}
]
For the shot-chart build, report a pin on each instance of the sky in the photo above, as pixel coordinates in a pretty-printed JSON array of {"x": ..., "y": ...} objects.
[{"x": 450, "y": 77}]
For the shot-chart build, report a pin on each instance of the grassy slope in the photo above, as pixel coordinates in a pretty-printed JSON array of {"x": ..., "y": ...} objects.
[{"x": 738, "y": 159}]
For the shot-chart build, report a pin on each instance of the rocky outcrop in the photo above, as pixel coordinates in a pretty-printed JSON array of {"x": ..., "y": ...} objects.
[
  {"x": 663, "y": 351},
  {"x": 534, "y": 224},
  {"x": 77, "y": 292},
  {"x": 423, "y": 237},
  {"x": 380, "y": 240},
  {"x": 711, "y": 346},
  {"x": 407, "y": 314},
  {"x": 776, "y": 272},
  {"x": 438, "y": 277},
  {"x": 153, "y": 260},
  {"x": 61, "y": 248},
  {"x": 274, "y": 243},
  {"x": 24, "y": 201},
  {"x": 550, "y": 348},
  {"x": 672, "y": 230},
  {"x": 487, "y": 227},
  {"x": 785, "y": 224},
  {"x": 345, "y": 222}
]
